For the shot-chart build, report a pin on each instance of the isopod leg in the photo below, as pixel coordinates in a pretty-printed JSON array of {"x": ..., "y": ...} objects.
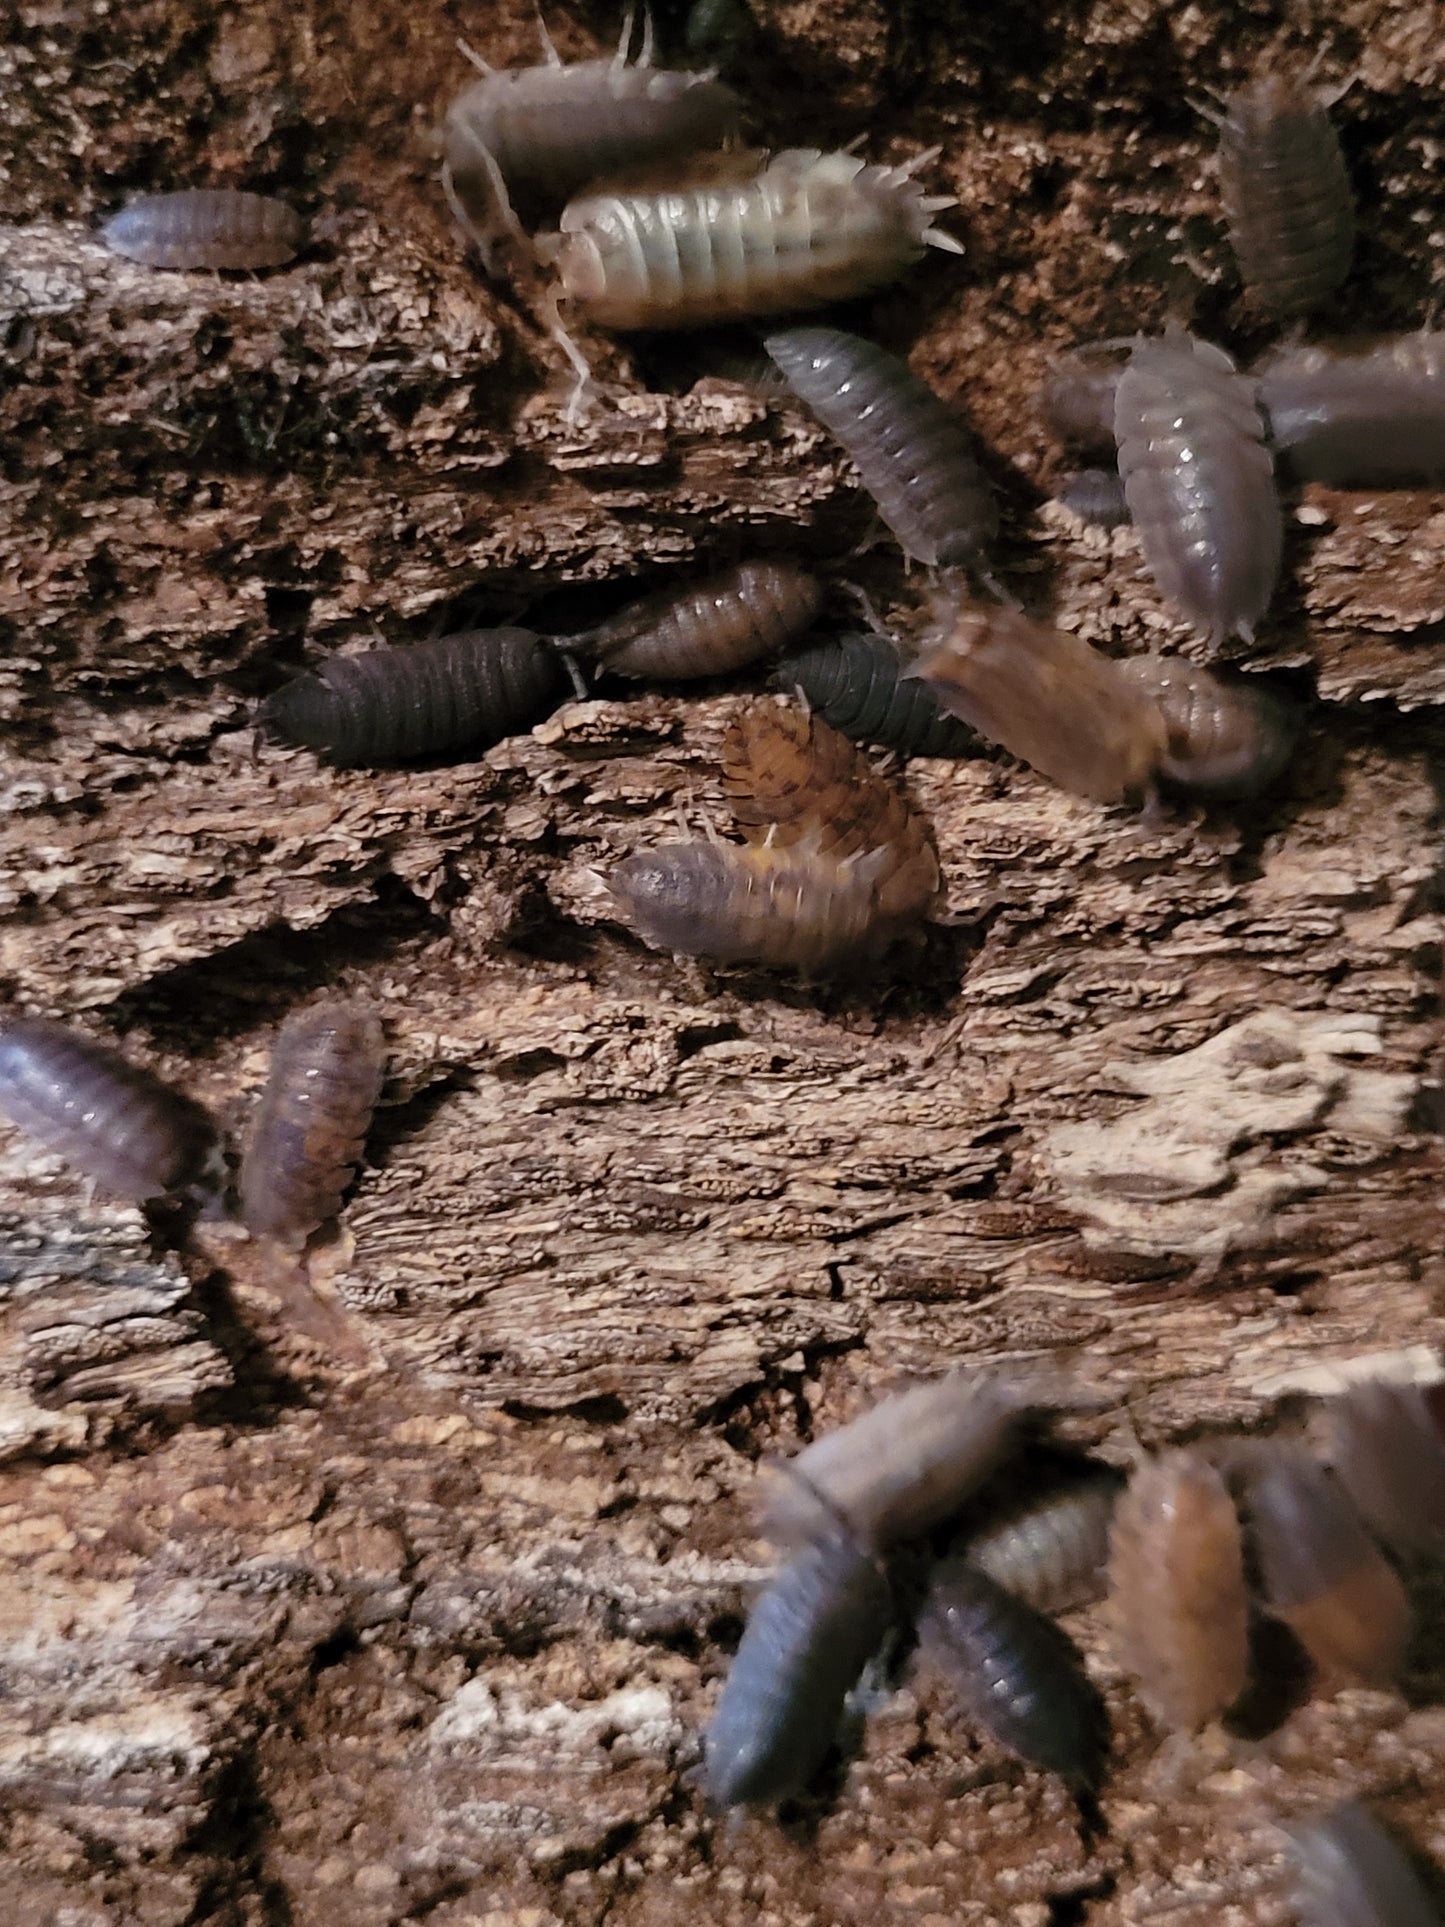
[{"x": 584, "y": 388}]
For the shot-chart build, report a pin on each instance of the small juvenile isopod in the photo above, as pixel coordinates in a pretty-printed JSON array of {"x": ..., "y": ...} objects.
[
  {"x": 1177, "y": 1593},
  {"x": 1374, "y": 420},
  {"x": 711, "y": 627},
  {"x": 206, "y": 227},
  {"x": 807, "y": 1639},
  {"x": 1077, "y": 400},
  {"x": 536, "y": 135},
  {"x": 1048, "y": 698},
  {"x": 458, "y": 692},
  {"x": 1225, "y": 739},
  {"x": 310, "y": 1126},
  {"x": 111, "y": 1120},
  {"x": 857, "y": 685},
  {"x": 1349, "y": 1872},
  {"x": 1388, "y": 1454},
  {"x": 1051, "y": 1551},
  {"x": 917, "y": 459},
  {"x": 1286, "y": 194},
  {"x": 808, "y": 228},
  {"x": 1199, "y": 482},
  {"x": 1013, "y": 1673},
  {"x": 1096, "y": 496},
  {"x": 1320, "y": 1571}
]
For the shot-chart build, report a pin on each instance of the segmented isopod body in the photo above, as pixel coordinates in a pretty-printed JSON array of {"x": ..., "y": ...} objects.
[
  {"x": 857, "y": 685},
  {"x": 709, "y": 628},
  {"x": 311, "y": 1123},
  {"x": 1014, "y": 1673},
  {"x": 1388, "y": 1454},
  {"x": 1224, "y": 739},
  {"x": 1321, "y": 1573},
  {"x": 916, "y": 458},
  {"x": 809, "y": 228},
  {"x": 206, "y": 227},
  {"x": 1051, "y": 1551},
  {"x": 807, "y": 1639},
  {"x": 458, "y": 692},
  {"x": 536, "y": 135},
  {"x": 1177, "y": 1594},
  {"x": 1351, "y": 1873},
  {"x": 1373, "y": 420},
  {"x": 1077, "y": 401},
  {"x": 902, "y": 1467},
  {"x": 1048, "y": 698},
  {"x": 111, "y": 1120},
  {"x": 1096, "y": 496},
  {"x": 1199, "y": 482},
  {"x": 1286, "y": 194}
]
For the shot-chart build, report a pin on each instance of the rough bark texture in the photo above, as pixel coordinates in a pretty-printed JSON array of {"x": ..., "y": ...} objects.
[{"x": 295, "y": 1637}]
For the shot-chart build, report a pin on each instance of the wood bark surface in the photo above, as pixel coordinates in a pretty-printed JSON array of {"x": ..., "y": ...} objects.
[{"x": 296, "y": 1635}]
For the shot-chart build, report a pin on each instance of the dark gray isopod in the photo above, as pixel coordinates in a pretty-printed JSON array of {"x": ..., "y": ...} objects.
[
  {"x": 1096, "y": 496},
  {"x": 1050, "y": 1550},
  {"x": 1374, "y": 420},
  {"x": 206, "y": 227},
  {"x": 1350, "y": 1873},
  {"x": 107, "y": 1117},
  {"x": 1077, "y": 401},
  {"x": 459, "y": 692},
  {"x": 808, "y": 1638},
  {"x": 858, "y": 685}
]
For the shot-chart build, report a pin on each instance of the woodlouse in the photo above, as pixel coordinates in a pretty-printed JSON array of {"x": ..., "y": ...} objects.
[
  {"x": 458, "y": 692},
  {"x": 1096, "y": 496},
  {"x": 808, "y": 228},
  {"x": 1287, "y": 196},
  {"x": 857, "y": 684},
  {"x": 1388, "y": 1454},
  {"x": 709, "y": 628},
  {"x": 1350, "y": 1872},
  {"x": 206, "y": 227},
  {"x": 1321, "y": 1573},
  {"x": 1048, "y": 698},
  {"x": 1051, "y": 1550},
  {"x": 1013, "y": 1673},
  {"x": 917, "y": 459},
  {"x": 1077, "y": 400},
  {"x": 807, "y": 1639},
  {"x": 310, "y": 1126},
  {"x": 1199, "y": 482},
  {"x": 901, "y": 1467},
  {"x": 1177, "y": 1592},
  {"x": 1374, "y": 420},
  {"x": 1224, "y": 739},
  {"x": 114, "y": 1122},
  {"x": 536, "y": 135}
]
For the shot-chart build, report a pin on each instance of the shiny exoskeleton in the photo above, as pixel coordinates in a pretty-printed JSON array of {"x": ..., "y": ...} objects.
[
  {"x": 709, "y": 628},
  {"x": 1349, "y": 1872},
  {"x": 1388, "y": 1454},
  {"x": 1224, "y": 739},
  {"x": 858, "y": 685},
  {"x": 206, "y": 227},
  {"x": 1371, "y": 420}
]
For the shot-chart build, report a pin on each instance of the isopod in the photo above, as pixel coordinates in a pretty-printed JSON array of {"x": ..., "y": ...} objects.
[
  {"x": 1077, "y": 401},
  {"x": 311, "y": 1123},
  {"x": 114, "y": 1122},
  {"x": 902, "y": 1467},
  {"x": 1051, "y": 1551},
  {"x": 1349, "y": 1872},
  {"x": 1224, "y": 739},
  {"x": 536, "y": 135},
  {"x": 1013, "y": 1673},
  {"x": 1048, "y": 698},
  {"x": 1388, "y": 1454},
  {"x": 1286, "y": 194},
  {"x": 206, "y": 227},
  {"x": 1199, "y": 482},
  {"x": 458, "y": 692},
  {"x": 1321, "y": 1573},
  {"x": 917, "y": 459},
  {"x": 1177, "y": 1593},
  {"x": 806, "y": 229},
  {"x": 807, "y": 1639},
  {"x": 857, "y": 684},
  {"x": 1374, "y": 420},
  {"x": 709, "y": 628},
  {"x": 1096, "y": 496}
]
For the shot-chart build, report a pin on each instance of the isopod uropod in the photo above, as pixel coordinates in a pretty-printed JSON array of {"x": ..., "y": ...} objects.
[
  {"x": 709, "y": 628},
  {"x": 1388, "y": 1454},
  {"x": 858, "y": 685},
  {"x": 1349, "y": 1872},
  {"x": 206, "y": 227},
  {"x": 113, "y": 1121},
  {"x": 1374, "y": 420},
  {"x": 1223, "y": 738}
]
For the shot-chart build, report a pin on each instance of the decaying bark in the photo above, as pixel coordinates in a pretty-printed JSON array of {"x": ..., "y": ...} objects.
[{"x": 292, "y": 1635}]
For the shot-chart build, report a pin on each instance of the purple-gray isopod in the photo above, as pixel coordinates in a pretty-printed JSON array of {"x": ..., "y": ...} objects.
[
  {"x": 708, "y": 628},
  {"x": 206, "y": 227},
  {"x": 1223, "y": 738},
  {"x": 1349, "y": 1872},
  {"x": 1370, "y": 420},
  {"x": 1077, "y": 399},
  {"x": 1096, "y": 496}
]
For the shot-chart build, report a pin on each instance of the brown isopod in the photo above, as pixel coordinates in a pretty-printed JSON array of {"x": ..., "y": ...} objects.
[
  {"x": 1286, "y": 193},
  {"x": 709, "y": 628},
  {"x": 1199, "y": 481},
  {"x": 1349, "y": 1872},
  {"x": 1388, "y": 1454},
  {"x": 114, "y": 1122},
  {"x": 1320, "y": 1572},
  {"x": 1177, "y": 1594},
  {"x": 1051, "y": 1549},
  {"x": 310, "y": 1126},
  {"x": 1371, "y": 420},
  {"x": 206, "y": 227},
  {"x": 1048, "y": 698},
  {"x": 1224, "y": 739}
]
